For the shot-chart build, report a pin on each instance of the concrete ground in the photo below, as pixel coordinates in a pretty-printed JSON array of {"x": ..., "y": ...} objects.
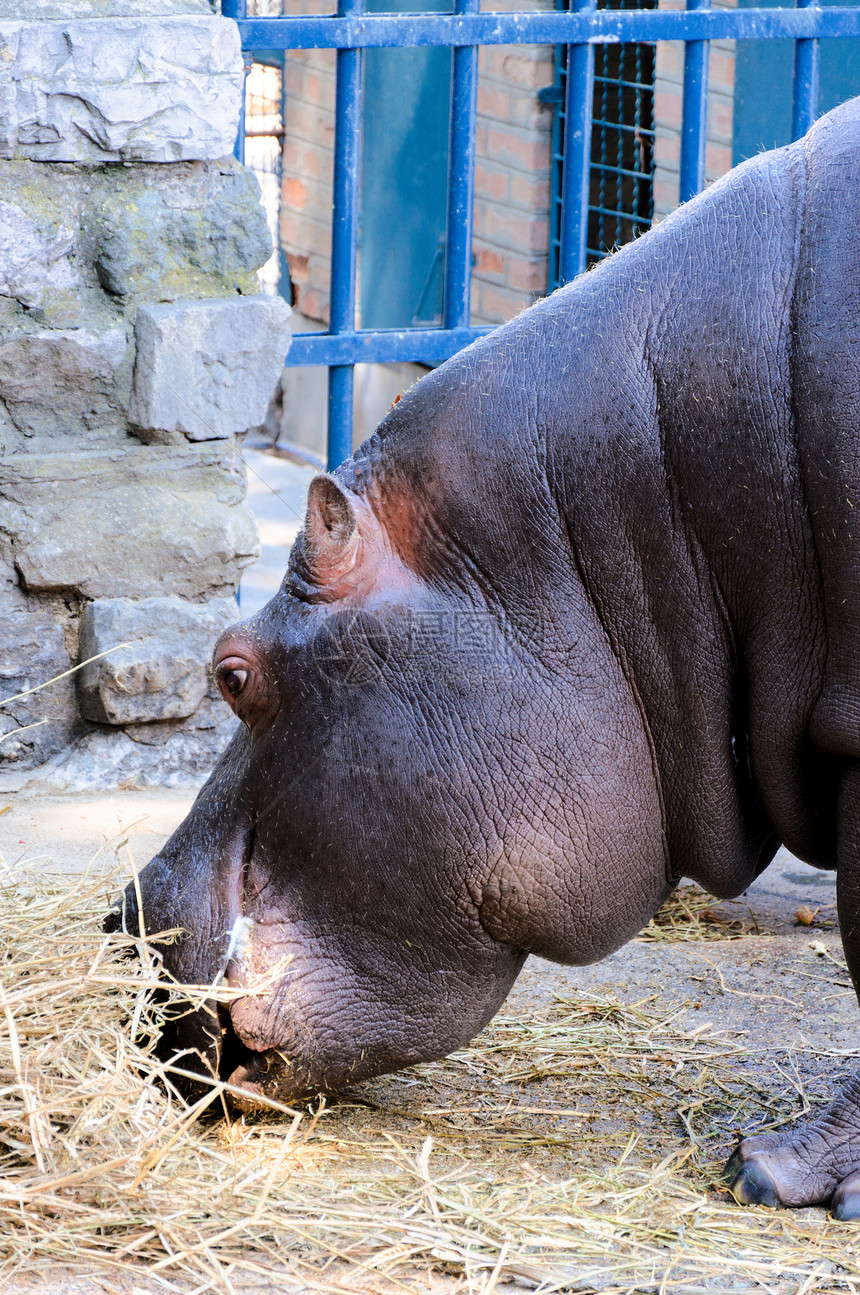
[{"x": 277, "y": 491}]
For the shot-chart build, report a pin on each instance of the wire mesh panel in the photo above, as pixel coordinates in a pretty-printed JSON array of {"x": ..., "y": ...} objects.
[
  {"x": 621, "y": 172},
  {"x": 621, "y": 191}
]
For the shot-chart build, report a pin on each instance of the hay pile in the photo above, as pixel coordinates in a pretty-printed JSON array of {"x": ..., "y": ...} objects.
[
  {"x": 574, "y": 1149},
  {"x": 691, "y": 914}
]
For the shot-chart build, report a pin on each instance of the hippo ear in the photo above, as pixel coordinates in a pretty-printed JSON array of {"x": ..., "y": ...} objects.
[{"x": 331, "y": 530}]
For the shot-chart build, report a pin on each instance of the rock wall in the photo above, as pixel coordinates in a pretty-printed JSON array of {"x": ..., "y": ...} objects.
[{"x": 135, "y": 350}]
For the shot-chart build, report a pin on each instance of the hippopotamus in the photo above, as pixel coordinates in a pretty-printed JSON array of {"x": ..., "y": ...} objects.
[{"x": 580, "y": 619}]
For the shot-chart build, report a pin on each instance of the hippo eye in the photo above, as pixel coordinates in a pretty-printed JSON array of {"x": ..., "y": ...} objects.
[
  {"x": 231, "y": 675},
  {"x": 244, "y": 682},
  {"x": 234, "y": 681}
]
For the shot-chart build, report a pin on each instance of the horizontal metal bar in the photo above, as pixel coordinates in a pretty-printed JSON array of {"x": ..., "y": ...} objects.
[
  {"x": 383, "y": 346},
  {"x": 643, "y": 86},
  {"x": 622, "y": 215},
  {"x": 619, "y": 125},
  {"x": 634, "y": 26},
  {"x": 620, "y": 170}
]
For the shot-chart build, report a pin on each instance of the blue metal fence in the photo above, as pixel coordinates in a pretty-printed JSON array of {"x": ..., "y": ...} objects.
[{"x": 579, "y": 29}]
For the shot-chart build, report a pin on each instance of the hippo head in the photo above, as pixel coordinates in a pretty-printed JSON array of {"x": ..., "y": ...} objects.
[{"x": 392, "y": 828}]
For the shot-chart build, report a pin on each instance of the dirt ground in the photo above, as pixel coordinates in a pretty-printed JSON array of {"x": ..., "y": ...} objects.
[{"x": 777, "y": 990}]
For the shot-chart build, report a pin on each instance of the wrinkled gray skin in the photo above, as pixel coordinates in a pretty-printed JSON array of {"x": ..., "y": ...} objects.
[{"x": 580, "y": 619}]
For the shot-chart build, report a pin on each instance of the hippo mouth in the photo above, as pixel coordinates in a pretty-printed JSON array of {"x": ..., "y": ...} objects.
[{"x": 258, "y": 1076}]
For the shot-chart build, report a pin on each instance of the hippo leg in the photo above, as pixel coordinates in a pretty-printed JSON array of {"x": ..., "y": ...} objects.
[{"x": 819, "y": 1160}]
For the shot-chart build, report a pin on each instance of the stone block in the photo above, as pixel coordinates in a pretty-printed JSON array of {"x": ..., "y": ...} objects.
[
  {"x": 79, "y": 242},
  {"x": 61, "y": 381},
  {"x": 133, "y": 521},
  {"x": 164, "y": 672},
  {"x": 207, "y": 369},
  {"x": 64, "y": 9},
  {"x": 26, "y": 256},
  {"x": 119, "y": 89},
  {"x": 162, "y": 236},
  {"x": 33, "y": 651}
]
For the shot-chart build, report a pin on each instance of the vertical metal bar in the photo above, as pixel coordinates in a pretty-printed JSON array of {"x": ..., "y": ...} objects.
[
  {"x": 577, "y": 153},
  {"x": 804, "y": 108},
  {"x": 239, "y": 146},
  {"x": 559, "y": 79},
  {"x": 600, "y": 243},
  {"x": 461, "y": 179},
  {"x": 695, "y": 112},
  {"x": 344, "y": 236},
  {"x": 237, "y": 9}
]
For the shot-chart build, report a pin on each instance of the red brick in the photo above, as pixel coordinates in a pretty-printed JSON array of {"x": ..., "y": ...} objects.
[
  {"x": 294, "y": 79},
  {"x": 313, "y": 304},
  {"x": 665, "y": 192},
  {"x": 669, "y": 63},
  {"x": 527, "y": 275},
  {"x": 491, "y": 61},
  {"x": 516, "y": 231},
  {"x": 520, "y": 69},
  {"x": 305, "y": 121},
  {"x": 298, "y": 234},
  {"x": 720, "y": 119},
  {"x": 531, "y": 192},
  {"x": 668, "y": 107},
  {"x": 294, "y": 193},
  {"x": 489, "y": 262},
  {"x": 302, "y": 158},
  {"x": 528, "y": 111},
  {"x": 497, "y": 305},
  {"x": 514, "y": 6},
  {"x": 529, "y": 154},
  {"x": 722, "y": 69},
  {"x": 667, "y": 150},
  {"x": 718, "y": 159},
  {"x": 490, "y": 183},
  {"x": 319, "y": 90},
  {"x": 298, "y": 267},
  {"x": 320, "y": 272},
  {"x": 493, "y": 103},
  {"x": 317, "y": 237}
]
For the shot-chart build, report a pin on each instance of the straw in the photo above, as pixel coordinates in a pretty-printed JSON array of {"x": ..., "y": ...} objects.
[{"x": 574, "y": 1147}]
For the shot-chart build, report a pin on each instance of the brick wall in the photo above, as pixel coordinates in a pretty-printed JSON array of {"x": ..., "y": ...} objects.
[
  {"x": 668, "y": 101},
  {"x": 511, "y": 175},
  {"x": 309, "y": 85},
  {"x": 512, "y": 170}
]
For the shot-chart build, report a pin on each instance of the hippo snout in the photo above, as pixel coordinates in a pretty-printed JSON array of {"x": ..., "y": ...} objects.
[{"x": 263, "y": 1075}]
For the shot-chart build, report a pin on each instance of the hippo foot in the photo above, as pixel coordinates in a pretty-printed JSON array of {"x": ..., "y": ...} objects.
[{"x": 818, "y": 1162}]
